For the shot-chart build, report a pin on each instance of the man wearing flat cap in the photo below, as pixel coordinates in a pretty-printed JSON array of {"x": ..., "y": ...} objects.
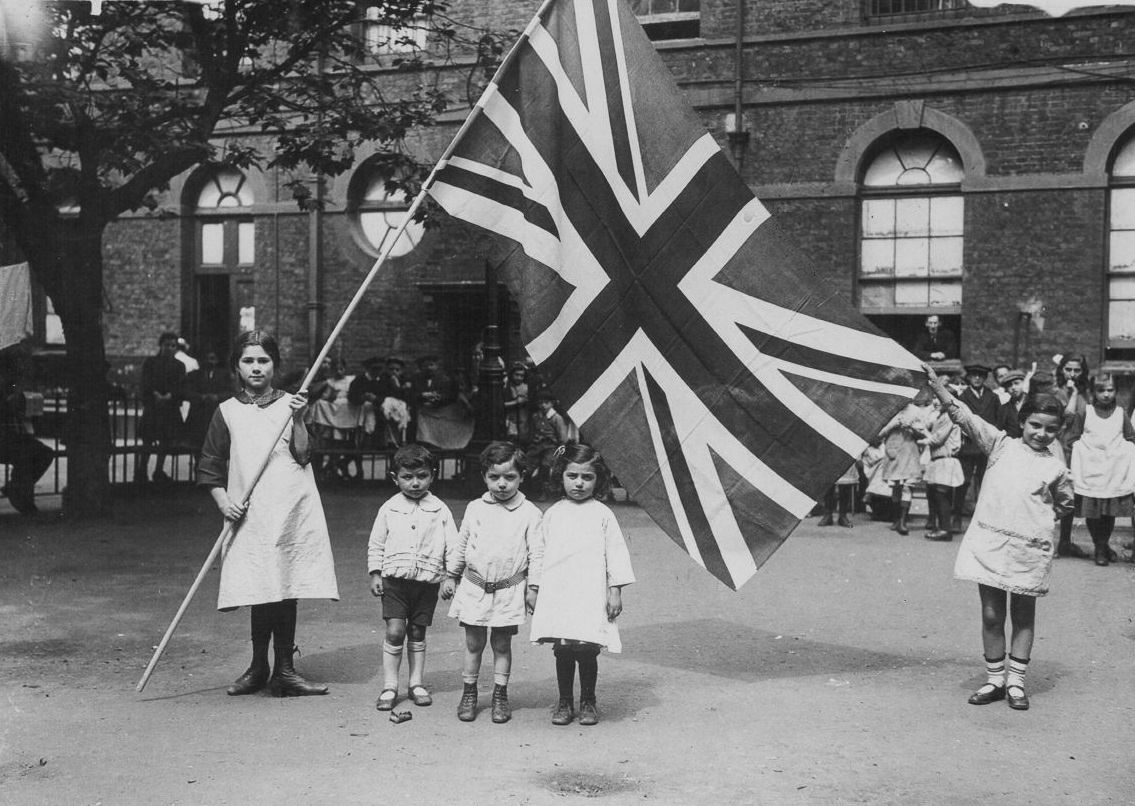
[
  {"x": 1016, "y": 387},
  {"x": 984, "y": 403}
]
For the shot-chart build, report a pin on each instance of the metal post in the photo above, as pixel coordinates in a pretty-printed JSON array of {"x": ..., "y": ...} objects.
[{"x": 490, "y": 378}]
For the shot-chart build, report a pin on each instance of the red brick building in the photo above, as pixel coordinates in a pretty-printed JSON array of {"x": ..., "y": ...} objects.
[{"x": 930, "y": 157}]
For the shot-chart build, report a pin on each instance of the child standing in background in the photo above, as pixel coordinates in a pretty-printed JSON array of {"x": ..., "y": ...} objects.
[
  {"x": 579, "y": 567},
  {"x": 902, "y": 466},
  {"x": 943, "y": 474},
  {"x": 1008, "y": 547},
  {"x": 1102, "y": 462},
  {"x": 406, "y": 560},
  {"x": 487, "y": 571}
]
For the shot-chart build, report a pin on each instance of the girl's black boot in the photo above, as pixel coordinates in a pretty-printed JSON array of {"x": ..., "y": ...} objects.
[
  {"x": 286, "y": 681},
  {"x": 256, "y": 676}
]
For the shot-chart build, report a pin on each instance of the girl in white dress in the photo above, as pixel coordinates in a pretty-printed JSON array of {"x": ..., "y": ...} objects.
[
  {"x": 487, "y": 571},
  {"x": 580, "y": 564},
  {"x": 1009, "y": 545},
  {"x": 1103, "y": 465},
  {"x": 279, "y": 550}
]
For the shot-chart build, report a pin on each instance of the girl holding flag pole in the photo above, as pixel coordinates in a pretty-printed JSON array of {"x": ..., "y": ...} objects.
[
  {"x": 280, "y": 551},
  {"x": 1009, "y": 545}
]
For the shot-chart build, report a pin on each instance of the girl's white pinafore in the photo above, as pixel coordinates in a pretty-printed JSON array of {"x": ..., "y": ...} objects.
[
  {"x": 1009, "y": 542},
  {"x": 280, "y": 549},
  {"x": 1102, "y": 460},
  {"x": 578, "y": 553}
]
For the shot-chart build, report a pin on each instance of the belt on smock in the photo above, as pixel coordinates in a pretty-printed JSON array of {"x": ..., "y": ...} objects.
[{"x": 490, "y": 587}]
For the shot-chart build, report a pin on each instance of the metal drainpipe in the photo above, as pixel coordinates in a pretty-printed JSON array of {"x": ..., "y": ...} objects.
[{"x": 739, "y": 137}]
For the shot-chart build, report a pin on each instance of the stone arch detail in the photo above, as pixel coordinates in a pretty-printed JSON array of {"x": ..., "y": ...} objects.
[
  {"x": 907, "y": 115},
  {"x": 1103, "y": 142}
]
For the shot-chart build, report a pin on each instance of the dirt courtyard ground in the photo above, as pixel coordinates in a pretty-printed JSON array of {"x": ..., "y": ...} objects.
[{"x": 838, "y": 675}]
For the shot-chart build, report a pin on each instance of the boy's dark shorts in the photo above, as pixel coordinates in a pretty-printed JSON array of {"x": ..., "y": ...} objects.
[
  {"x": 511, "y": 629},
  {"x": 410, "y": 600}
]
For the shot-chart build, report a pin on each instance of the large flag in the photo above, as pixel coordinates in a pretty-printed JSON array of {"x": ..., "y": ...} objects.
[{"x": 726, "y": 388}]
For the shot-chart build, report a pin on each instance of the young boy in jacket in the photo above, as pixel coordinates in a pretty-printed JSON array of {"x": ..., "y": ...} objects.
[{"x": 406, "y": 560}]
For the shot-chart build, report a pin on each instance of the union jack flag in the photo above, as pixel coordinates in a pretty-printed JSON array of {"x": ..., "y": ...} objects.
[{"x": 725, "y": 387}]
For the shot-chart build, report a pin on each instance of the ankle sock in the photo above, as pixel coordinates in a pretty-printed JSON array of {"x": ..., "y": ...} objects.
[
  {"x": 1016, "y": 673},
  {"x": 995, "y": 671}
]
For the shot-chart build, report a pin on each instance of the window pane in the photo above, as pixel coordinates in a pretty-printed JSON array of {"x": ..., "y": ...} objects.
[
  {"x": 1121, "y": 320},
  {"x": 1121, "y": 288},
  {"x": 912, "y": 293},
  {"x": 912, "y": 257},
  {"x": 884, "y": 171},
  {"x": 1125, "y": 160},
  {"x": 912, "y": 217},
  {"x": 213, "y": 243},
  {"x": 247, "y": 248},
  {"x": 945, "y": 255},
  {"x": 947, "y": 215},
  {"x": 946, "y": 294},
  {"x": 1122, "y": 251},
  {"x": 878, "y": 257},
  {"x": 379, "y": 226},
  {"x": 1123, "y": 208},
  {"x": 873, "y": 296},
  {"x": 945, "y": 167},
  {"x": 879, "y": 217}
]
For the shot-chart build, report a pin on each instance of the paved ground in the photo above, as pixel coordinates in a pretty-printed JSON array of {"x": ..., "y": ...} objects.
[{"x": 837, "y": 675}]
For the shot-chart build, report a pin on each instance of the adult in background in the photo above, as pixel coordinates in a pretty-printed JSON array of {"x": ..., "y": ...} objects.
[
  {"x": 935, "y": 343},
  {"x": 163, "y": 379},
  {"x": 28, "y": 457},
  {"x": 280, "y": 550},
  {"x": 363, "y": 394},
  {"x": 441, "y": 419},
  {"x": 205, "y": 389},
  {"x": 980, "y": 400},
  {"x": 1071, "y": 389}
]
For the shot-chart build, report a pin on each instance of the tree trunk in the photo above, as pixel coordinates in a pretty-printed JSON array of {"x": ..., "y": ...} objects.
[{"x": 79, "y": 306}]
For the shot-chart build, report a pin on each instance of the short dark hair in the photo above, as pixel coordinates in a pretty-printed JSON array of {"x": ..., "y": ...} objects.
[
  {"x": 169, "y": 335},
  {"x": 582, "y": 454},
  {"x": 499, "y": 453},
  {"x": 255, "y": 338},
  {"x": 1042, "y": 403},
  {"x": 413, "y": 456}
]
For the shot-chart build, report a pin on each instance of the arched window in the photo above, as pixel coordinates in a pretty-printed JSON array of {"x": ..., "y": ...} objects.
[
  {"x": 225, "y": 258},
  {"x": 377, "y": 213},
  {"x": 1121, "y": 252},
  {"x": 911, "y": 232}
]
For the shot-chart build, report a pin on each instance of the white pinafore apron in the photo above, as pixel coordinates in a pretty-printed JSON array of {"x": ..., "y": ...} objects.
[{"x": 1103, "y": 462}]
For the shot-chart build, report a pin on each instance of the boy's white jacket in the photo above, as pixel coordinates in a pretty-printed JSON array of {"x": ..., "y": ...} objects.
[{"x": 409, "y": 538}]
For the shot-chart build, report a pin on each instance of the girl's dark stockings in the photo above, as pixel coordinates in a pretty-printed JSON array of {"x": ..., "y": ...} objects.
[
  {"x": 588, "y": 661},
  {"x": 565, "y": 672}
]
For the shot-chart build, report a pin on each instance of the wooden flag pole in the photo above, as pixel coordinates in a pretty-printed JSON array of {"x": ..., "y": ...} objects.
[{"x": 228, "y": 532}]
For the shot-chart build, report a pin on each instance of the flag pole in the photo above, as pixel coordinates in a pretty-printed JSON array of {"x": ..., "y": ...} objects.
[{"x": 229, "y": 530}]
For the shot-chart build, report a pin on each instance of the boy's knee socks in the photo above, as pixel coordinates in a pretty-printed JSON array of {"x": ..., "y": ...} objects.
[
  {"x": 391, "y": 663},
  {"x": 417, "y": 661}
]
